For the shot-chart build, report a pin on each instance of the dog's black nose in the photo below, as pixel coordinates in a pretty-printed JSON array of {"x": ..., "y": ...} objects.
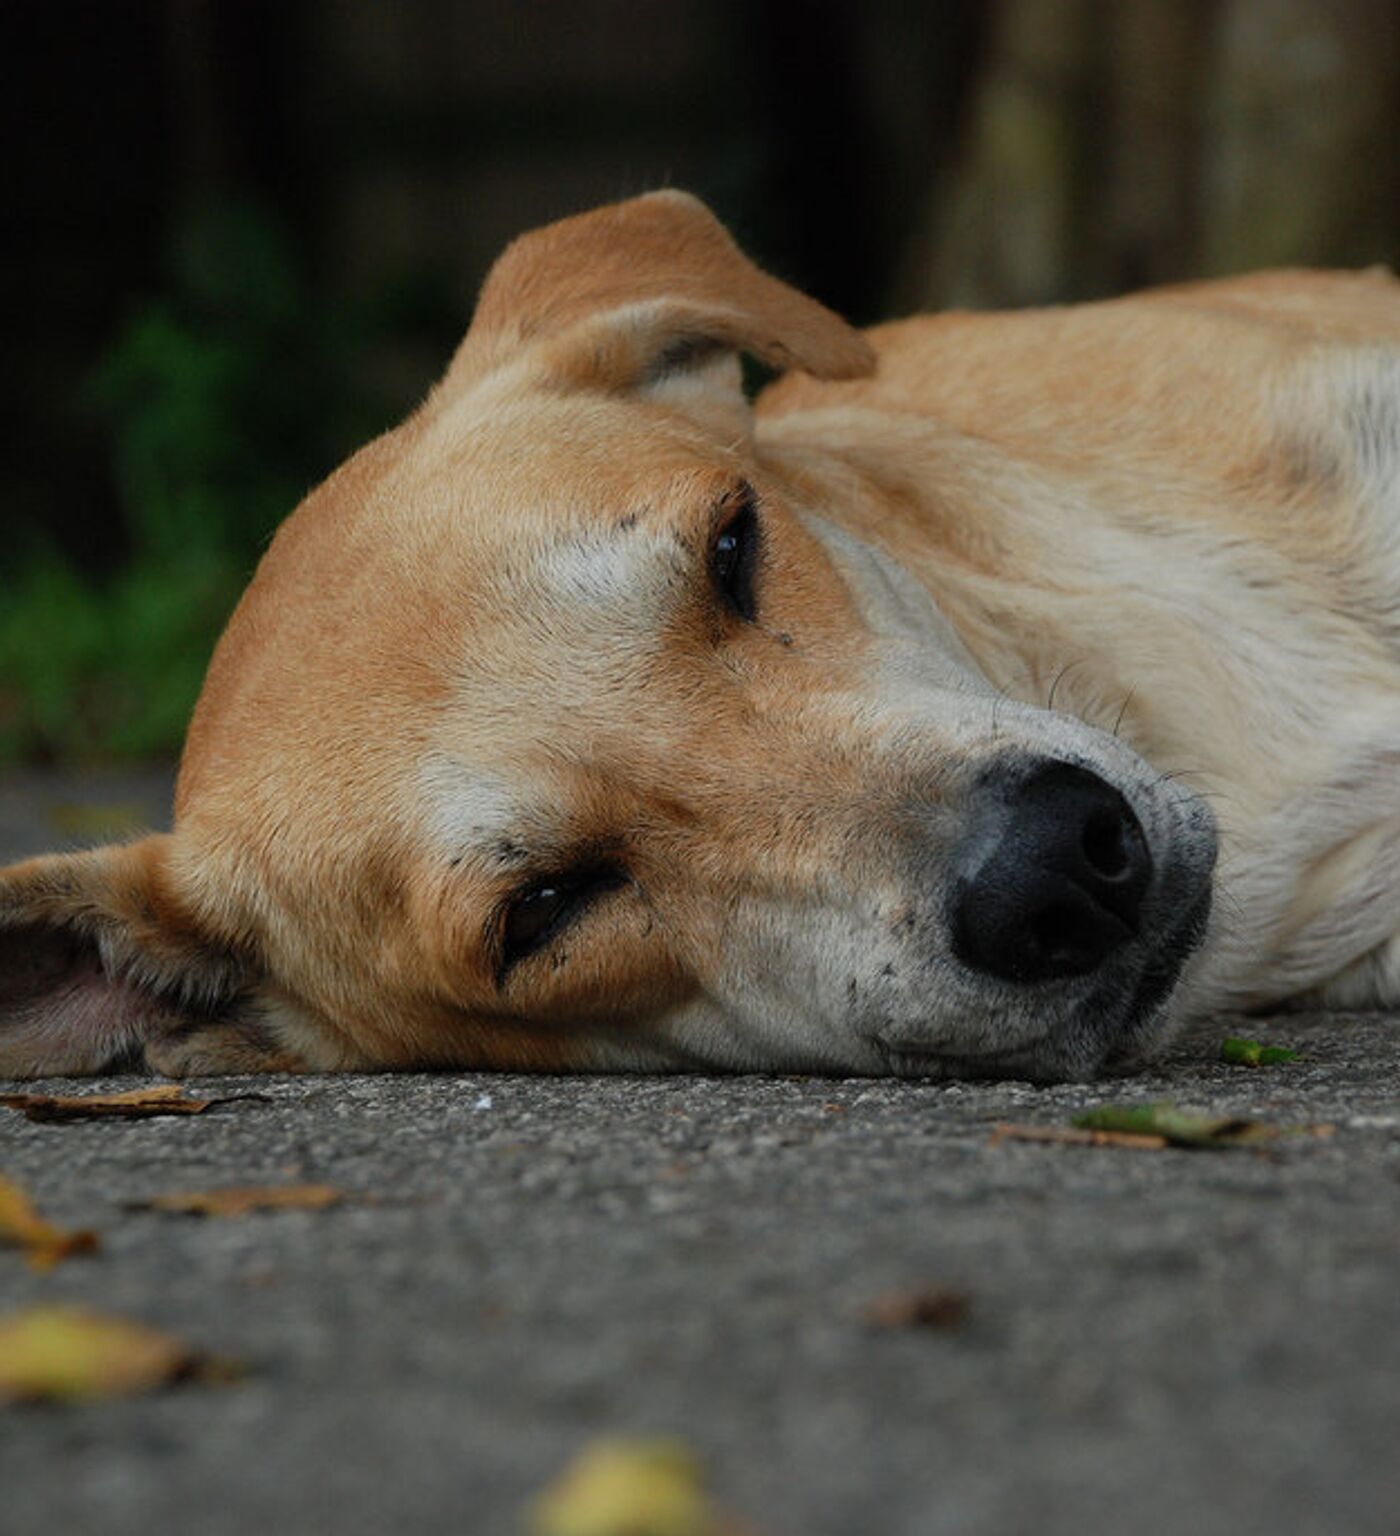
[{"x": 1050, "y": 876}]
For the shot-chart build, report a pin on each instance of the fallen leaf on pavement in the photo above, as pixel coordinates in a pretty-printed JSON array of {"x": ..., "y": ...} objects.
[
  {"x": 630, "y": 1488},
  {"x": 44, "y": 1244},
  {"x": 137, "y": 1104},
  {"x": 61, "y": 1354},
  {"x": 930, "y": 1308},
  {"x": 240, "y": 1201},
  {"x": 1070, "y": 1136},
  {"x": 1250, "y": 1053},
  {"x": 1179, "y": 1127}
]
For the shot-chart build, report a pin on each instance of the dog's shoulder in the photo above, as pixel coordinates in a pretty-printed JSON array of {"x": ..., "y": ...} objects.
[
  {"x": 1321, "y": 306},
  {"x": 1265, "y": 409},
  {"x": 1331, "y": 402},
  {"x": 1235, "y": 378},
  {"x": 962, "y": 363}
]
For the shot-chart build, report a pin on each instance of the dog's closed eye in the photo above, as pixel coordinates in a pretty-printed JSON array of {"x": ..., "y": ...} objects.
[
  {"x": 534, "y": 915},
  {"x": 734, "y": 555}
]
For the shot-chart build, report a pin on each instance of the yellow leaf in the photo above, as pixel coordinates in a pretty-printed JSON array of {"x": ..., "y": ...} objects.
[
  {"x": 239, "y": 1201},
  {"x": 628, "y": 1488},
  {"x": 45, "y": 1245},
  {"x": 61, "y": 1354}
]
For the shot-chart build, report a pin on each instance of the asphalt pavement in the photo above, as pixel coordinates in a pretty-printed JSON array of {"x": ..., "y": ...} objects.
[{"x": 1169, "y": 1341}]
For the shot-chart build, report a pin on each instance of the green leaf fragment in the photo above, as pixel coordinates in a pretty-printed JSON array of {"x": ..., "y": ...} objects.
[
  {"x": 1251, "y": 1053},
  {"x": 1180, "y": 1127}
]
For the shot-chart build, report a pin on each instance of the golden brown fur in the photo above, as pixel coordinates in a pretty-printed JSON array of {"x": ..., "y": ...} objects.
[{"x": 485, "y": 650}]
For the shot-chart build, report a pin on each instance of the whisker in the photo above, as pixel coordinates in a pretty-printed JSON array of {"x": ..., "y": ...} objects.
[
  {"x": 1234, "y": 926},
  {"x": 1059, "y": 678}
]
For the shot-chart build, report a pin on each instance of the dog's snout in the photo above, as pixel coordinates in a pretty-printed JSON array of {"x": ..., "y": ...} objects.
[{"x": 1050, "y": 877}]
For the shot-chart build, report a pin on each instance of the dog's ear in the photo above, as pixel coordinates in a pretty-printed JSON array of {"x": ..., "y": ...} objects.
[
  {"x": 651, "y": 295},
  {"x": 102, "y": 968}
]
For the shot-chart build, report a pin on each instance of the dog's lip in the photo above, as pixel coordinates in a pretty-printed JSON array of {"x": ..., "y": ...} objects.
[
  {"x": 1120, "y": 1024},
  {"x": 1175, "y": 949},
  {"x": 905, "y": 1056},
  {"x": 1159, "y": 976}
]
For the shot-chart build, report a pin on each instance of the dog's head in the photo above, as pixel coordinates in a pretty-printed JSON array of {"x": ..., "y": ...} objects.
[{"x": 564, "y": 728}]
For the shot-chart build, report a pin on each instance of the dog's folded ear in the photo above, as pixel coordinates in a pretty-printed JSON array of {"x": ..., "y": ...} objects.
[
  {"x": 102, "y": 969},
  {"x": 650, "y": 294}
]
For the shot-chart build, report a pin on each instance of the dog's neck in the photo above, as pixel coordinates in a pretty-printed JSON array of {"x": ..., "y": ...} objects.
[{"x": 1068, "y": 599}]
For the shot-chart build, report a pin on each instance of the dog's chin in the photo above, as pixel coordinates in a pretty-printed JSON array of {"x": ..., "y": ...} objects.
[{"x": 1119, "y": 1026}]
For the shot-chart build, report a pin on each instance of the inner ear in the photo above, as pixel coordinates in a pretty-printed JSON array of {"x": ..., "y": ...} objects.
[
  {"x": 703, "y": 379},
  {"x": 102, "y": 969},
  {"x": 59, "y": 1009}
]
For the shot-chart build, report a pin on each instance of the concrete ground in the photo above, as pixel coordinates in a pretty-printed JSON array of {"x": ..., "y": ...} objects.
[{"x": 1168, "y": 1341}]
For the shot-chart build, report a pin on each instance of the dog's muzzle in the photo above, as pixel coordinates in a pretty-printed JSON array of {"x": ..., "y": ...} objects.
[
  {"x": 1079, "y": 909},
  {"x": 1073, "y": 894}
]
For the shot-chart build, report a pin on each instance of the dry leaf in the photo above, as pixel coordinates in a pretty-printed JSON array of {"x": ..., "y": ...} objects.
[
  {"x": 629, "y": 1488},
  {"x": 929, "y": 1308},
  {"x": 61, "y": 1354},
  {"x": 45, "y": 1245},
  {"x": 240, "y": 1201},
  {"x": 137, "y": 1104},
  {"x": 1065, "y": 1135}
]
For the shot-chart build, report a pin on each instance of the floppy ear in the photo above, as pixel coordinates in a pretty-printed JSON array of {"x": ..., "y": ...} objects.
[
  {"x": 102, "y": 969},
  {"x": 650, "y": 295}
]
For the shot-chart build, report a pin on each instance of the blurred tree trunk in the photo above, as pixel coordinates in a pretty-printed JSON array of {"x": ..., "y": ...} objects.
[
  {"x": 1112, "y": 145},
  {"x": 1304, "y": 115},
  {"x": 1004, "y": 230},
  {"x": 1147, "y": 227}
]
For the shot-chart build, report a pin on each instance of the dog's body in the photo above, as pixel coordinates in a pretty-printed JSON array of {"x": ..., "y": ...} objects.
[{"x": 590, "y": 720}]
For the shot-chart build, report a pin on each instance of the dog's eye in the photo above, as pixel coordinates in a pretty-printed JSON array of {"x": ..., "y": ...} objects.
[
  {"x": 548, "y": 906},
  {"x": 733, "y": 557}
]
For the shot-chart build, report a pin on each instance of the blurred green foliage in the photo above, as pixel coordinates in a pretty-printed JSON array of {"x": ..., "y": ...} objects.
[{"x": 224, "y": 400}]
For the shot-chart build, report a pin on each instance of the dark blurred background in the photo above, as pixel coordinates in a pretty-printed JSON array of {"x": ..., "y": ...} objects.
[{"x": 243, "y": 235}]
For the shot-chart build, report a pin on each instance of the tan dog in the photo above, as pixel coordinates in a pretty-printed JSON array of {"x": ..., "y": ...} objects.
[{"x": 592, "y": 719}]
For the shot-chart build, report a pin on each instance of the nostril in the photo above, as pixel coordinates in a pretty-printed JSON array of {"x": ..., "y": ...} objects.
[
  {"x": 1057, "y": 931},
  {"x": 1104, "y": 845},
  {"x": 1070, "y": 936}
]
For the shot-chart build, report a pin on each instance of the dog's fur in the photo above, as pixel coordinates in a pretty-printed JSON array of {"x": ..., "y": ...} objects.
[{"x": 489, "y": 650}]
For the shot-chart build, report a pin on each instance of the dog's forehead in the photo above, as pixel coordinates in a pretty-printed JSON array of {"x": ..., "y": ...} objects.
[
  {"x": 534, "y": 511},
  {"x": 533, "y": 514},
  {"x": 476, "y": 813},
  {"x": 536, "y": 460},
  {"x": 500, "y": 575}
]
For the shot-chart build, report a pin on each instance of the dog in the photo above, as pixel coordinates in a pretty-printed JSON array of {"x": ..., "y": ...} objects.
[{"x": 995, "y": 694}]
